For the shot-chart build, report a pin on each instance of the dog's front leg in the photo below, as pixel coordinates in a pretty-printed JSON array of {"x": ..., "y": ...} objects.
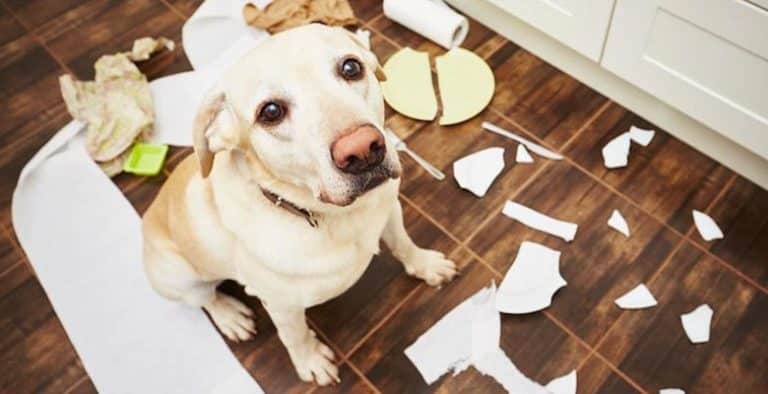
[
  {"x": 426, "y": 264},
  {"x": 312, "y": 359}
]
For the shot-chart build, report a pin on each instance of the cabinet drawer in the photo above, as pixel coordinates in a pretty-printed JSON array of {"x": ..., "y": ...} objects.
[
  {"x": 580, "y": 24},
  {"x": 708, "y": 58}
]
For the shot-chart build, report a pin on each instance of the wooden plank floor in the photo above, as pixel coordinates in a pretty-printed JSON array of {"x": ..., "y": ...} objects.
[{"x": 369, "y": 326}]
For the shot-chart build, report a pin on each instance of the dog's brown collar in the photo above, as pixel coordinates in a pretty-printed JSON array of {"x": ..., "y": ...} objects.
[{"x": 291, "y": 207}]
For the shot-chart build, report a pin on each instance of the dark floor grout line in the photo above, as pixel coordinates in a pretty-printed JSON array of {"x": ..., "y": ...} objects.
[
  {"x": 635, "y": 204},
  {"x": 36, "y": 38},
  {"x": 174, "y": 10},
  {"x": 586, "y": 125},
  {"x": 362, "y": 377}
]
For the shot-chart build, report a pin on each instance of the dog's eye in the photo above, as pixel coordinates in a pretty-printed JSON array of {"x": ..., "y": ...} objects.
[
  {"x": 351, "y": 69},
  {"x": 271, "y": 113}
]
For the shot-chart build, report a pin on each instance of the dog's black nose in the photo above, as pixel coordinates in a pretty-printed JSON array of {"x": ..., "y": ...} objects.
[{"x": 359, "y": 150}]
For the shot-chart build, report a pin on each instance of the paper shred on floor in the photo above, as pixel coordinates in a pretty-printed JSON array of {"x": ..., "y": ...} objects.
[
  {"x": 616, "y": 152},
  {"x": 477, "y": 171},
  {"x": 696, "y": 323},
  {"x": 671, "y": 391},
  {"x": 531, "y": 281},
  {"x": 539, "y": 221},
  {"x": 707, "y": 227},
  {"x": 618, "y": 223},
  {"x": 473, "y": 330},
  {"x": 565, "y": 384},
  {"x": 522, "y": 155},
  {"x": 641, "y": 136},
  {"x": 532, "y": 146},
  {"x": 638, "y": 298}
]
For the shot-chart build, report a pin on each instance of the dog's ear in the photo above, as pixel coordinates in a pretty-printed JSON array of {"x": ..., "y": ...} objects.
[
  {"x": 216, "y": 129},
  {"x": 363, "y": 39}
]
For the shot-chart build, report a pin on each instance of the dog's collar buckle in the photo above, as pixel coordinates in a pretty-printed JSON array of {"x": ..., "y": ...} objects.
[{"x": 279, "y": 201}]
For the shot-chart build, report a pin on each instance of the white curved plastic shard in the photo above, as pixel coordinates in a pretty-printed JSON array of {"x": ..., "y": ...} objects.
[
  {"x": 565, "y": 384},
  {"x": 617, "y": 222},
  {"x": 671, "y": 391},
  {"x": 497, "y": 365},
  {"x": 539, "y": 221},
  {"x": 616, "y": 152},
  {"x": 466, "y": 85},
  {"x": 638, "y": 298},
  {"x": 408, "y": 88},
  {"x": 641, "y": 136},
  {"x": 696, "y": 323},
  {"x": 522, "y": 155},
  {"x": 707, "y": 227},
  {"x": 531, "y": 281},
  {"x": 477, "y": 171}
]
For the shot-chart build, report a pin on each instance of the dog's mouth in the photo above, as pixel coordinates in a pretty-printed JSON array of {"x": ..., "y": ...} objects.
[{"x": 361, "y": 184}]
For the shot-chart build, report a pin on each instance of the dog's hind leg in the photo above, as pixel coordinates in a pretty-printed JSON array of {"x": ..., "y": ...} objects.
[
  {"x": 428, "y": 265},
  {"x": 174, "y": 278}
]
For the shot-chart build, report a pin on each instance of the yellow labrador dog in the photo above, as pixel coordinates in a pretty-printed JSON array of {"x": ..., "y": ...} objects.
[{"x": 291, "y": 187}]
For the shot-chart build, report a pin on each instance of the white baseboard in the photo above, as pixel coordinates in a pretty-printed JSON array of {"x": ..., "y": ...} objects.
[{"x": 695, "y": 134}]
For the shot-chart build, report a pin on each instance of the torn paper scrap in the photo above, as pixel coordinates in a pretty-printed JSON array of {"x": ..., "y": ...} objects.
[
  {"x": 707, "y": 227},
  {"x": 497, "y": 365},
  {"x": 429, "y": 352},
  {"x": 477, "y": 171},
  {"x": 531, "y": 281},
  {"x": 638, "y": 298},
  {"x": 617, "y": 222},
  {"x": 279, "y": 15},
  {"x": 539, "y": 221},
  {"x": 532, "y": 146},
  {"x": 616, "y": 151},
  {"x": 671, "y": 391},
  {"x": 144, "y": 47},
  {"x": 486, "y": 323},
  {"x": 408, "y": 88},
  {"x": 522, "y": 155},
  {"x": 565, "y": 384},
  {"x": 466, "y": 85},
  {"x": 641, "y": 136},
  {"x": 696, "y": 323}
]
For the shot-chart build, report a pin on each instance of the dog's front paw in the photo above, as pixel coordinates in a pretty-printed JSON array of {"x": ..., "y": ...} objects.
[
  {"x": 232, "y": 317},
  {"x": 431, "y": 266},
  {"x": 315, "y": 363}
]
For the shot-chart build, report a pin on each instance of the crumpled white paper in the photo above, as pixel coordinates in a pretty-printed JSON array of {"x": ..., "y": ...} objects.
[
  {"x": 477, "y": 171},
  {"x": 638, "y": 298},
  {"x": 531, "y": 281},
  {"x": 706, "y": 226},
  {"x": 539, "y": 221},
  {"x": 696, "y": 323},
  {"x": 83, "y": 239},
  {"x": 618, "y": 223},
  {"x": 671, "y": 391}
]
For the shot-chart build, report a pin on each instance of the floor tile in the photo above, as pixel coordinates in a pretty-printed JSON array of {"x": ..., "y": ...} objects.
[
  {"x": 652, "y": 348},
  {"x": 34, "y": 14},
  {"x": 595, "y": 376},
  {"x": 365, "y": 10},
  {"x": 544, "y": 100},
  {"x": 71, "y": 375},
  {"x": 10, "y": 29},
  {"x": 530, "y": 341},
  {"x": 108, "y": 29},
  {"x": 742, "y": 216},
  {"x": 187, "y": 7},
  {"x": 346, "y": 319},
  {"x": 458, "y": 210},
  {"x": 667, "y": 178},
  {"x": 9, "y": 256},
  {"x": 600, "y": 264}
]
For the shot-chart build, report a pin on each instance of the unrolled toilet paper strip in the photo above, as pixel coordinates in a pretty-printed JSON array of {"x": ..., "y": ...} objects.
[
  {"x": 432, "y": 19},
  {"x": 83, "y": 240}
]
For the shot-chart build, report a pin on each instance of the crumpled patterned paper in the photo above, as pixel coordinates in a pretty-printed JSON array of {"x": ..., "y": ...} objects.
[{"x": 117, "y": 105}]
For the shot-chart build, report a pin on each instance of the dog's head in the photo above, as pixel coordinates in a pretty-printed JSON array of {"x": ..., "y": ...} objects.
[{"x": 306, "y": 104}]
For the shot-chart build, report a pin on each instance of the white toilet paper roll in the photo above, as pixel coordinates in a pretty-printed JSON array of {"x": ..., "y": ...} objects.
[{"x": 431, "y": 19}]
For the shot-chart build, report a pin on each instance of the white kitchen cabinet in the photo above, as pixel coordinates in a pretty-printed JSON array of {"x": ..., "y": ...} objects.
[
  {"x": 707, "y": 58},
  {"x": 580, "y": 24}
]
